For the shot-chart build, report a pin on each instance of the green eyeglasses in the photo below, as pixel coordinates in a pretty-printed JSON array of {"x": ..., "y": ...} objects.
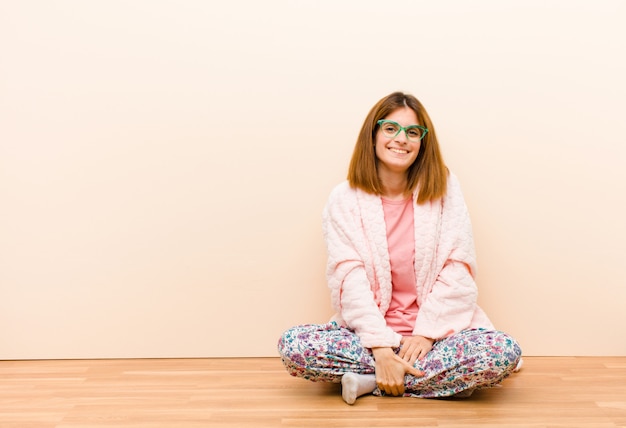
[{"x": 390, "y": 129}]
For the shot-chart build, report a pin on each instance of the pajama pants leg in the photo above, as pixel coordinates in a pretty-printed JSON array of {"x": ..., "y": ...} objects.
[
  {"x": 324, "y": 352},
  {"x": 471, "y": 359},
  {"x": 468, "y": 360}
]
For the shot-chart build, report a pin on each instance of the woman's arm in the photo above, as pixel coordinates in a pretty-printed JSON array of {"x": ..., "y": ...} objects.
[
  {"x": 351, "y": 291},
  {"x": 450, "y": 303}
]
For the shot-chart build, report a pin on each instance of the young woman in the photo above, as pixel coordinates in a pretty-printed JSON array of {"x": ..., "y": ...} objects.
[{"x": 401, "y": 267}]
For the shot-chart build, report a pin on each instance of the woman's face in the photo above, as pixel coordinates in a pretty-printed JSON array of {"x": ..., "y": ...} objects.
[{"x": 396, "y": 154}]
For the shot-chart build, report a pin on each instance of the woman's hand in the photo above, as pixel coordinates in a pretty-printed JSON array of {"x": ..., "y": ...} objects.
[
  {"x": 390, "y": 371},
  {"x": 414, "y": 348}
]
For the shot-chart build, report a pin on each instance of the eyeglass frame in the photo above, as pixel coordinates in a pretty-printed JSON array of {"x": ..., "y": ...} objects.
[{"x": 402, "y": 128}]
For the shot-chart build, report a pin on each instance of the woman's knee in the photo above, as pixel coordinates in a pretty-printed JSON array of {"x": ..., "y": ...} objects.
[
  {"x": 286, "y": 342},
  {"x": 504, "y": 348},
  {"x": 294, "y": 340},
  {"x": 492, "y": 345},
  {"x": 510, "y": 348}
]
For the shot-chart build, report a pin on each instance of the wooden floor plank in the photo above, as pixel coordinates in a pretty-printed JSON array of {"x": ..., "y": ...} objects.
[{"x": 550, "y": 392}]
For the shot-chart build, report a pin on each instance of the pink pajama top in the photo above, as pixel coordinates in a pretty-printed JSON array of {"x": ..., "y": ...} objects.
[{"x": 403, "y": 307}]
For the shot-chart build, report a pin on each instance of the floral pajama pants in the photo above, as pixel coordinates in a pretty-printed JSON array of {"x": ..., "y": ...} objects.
[{"x": 468, "y": 360}]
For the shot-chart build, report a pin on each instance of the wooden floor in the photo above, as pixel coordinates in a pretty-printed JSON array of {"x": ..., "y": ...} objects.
[{"x": 257, "y": 392}]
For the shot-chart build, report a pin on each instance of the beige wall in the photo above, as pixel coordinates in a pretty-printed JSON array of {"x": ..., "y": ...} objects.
[{"x": 164, "y": 164}]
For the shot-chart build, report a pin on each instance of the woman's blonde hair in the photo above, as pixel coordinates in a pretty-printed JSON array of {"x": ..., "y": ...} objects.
[{"x": 428, "y": 172}]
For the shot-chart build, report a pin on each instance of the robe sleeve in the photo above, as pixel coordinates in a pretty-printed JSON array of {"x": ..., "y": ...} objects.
[
  {"x": 351, "y": 292},
  {"x": 451, "y": 303}
]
